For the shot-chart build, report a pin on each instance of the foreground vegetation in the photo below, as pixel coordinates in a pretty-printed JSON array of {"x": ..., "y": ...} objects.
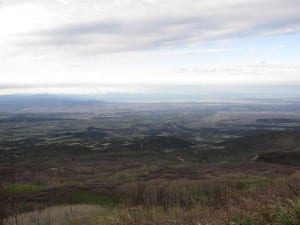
[{"x": 182, "y": 202}]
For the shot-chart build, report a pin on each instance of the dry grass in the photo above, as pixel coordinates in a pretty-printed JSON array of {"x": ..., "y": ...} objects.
[
  {"x": 220, "y": 201},
  {"x": 57, "y": 215},
  {"x": 274, "y": 204}
]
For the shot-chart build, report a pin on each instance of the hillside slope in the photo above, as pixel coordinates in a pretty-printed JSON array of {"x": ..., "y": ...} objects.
[
  {"x": 277, "y": 147},
  {"x": 288, "y": 158},
  {"x": 284, "y": 141}
]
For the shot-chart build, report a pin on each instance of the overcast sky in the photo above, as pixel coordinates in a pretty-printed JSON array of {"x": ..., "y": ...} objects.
[{"x": 144, "y": 46}]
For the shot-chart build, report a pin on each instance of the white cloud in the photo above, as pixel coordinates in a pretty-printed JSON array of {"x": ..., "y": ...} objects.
[
  {"x": 47, "y": 43},
  {"x": 126, "y": 25}
]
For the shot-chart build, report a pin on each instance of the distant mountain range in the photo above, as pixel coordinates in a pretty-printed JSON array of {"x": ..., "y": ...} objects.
[
  {"x": 10, "y": 103},
  {"x": 94, "y": 103}
]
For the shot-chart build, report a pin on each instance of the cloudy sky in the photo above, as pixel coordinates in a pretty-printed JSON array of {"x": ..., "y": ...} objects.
[{"x": 145, "y": 46}]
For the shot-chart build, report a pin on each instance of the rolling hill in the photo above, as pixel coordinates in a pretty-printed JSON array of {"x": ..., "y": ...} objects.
[{"x": 276, "y": 147}]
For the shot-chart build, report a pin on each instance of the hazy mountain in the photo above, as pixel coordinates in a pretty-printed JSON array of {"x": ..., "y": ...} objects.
[{"x": 11, "y": 103}]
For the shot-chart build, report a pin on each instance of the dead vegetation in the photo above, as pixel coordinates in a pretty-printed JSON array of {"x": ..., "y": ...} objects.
[
  {"x": 274, "y": 203},
  {"x": 185, "y": 202}
]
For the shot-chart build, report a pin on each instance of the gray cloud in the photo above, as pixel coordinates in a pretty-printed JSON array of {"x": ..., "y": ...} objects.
[{"x": 177, "y": 26}]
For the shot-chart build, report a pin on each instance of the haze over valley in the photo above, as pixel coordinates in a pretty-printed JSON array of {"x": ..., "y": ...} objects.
[{"x": 149, "y": 112}]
